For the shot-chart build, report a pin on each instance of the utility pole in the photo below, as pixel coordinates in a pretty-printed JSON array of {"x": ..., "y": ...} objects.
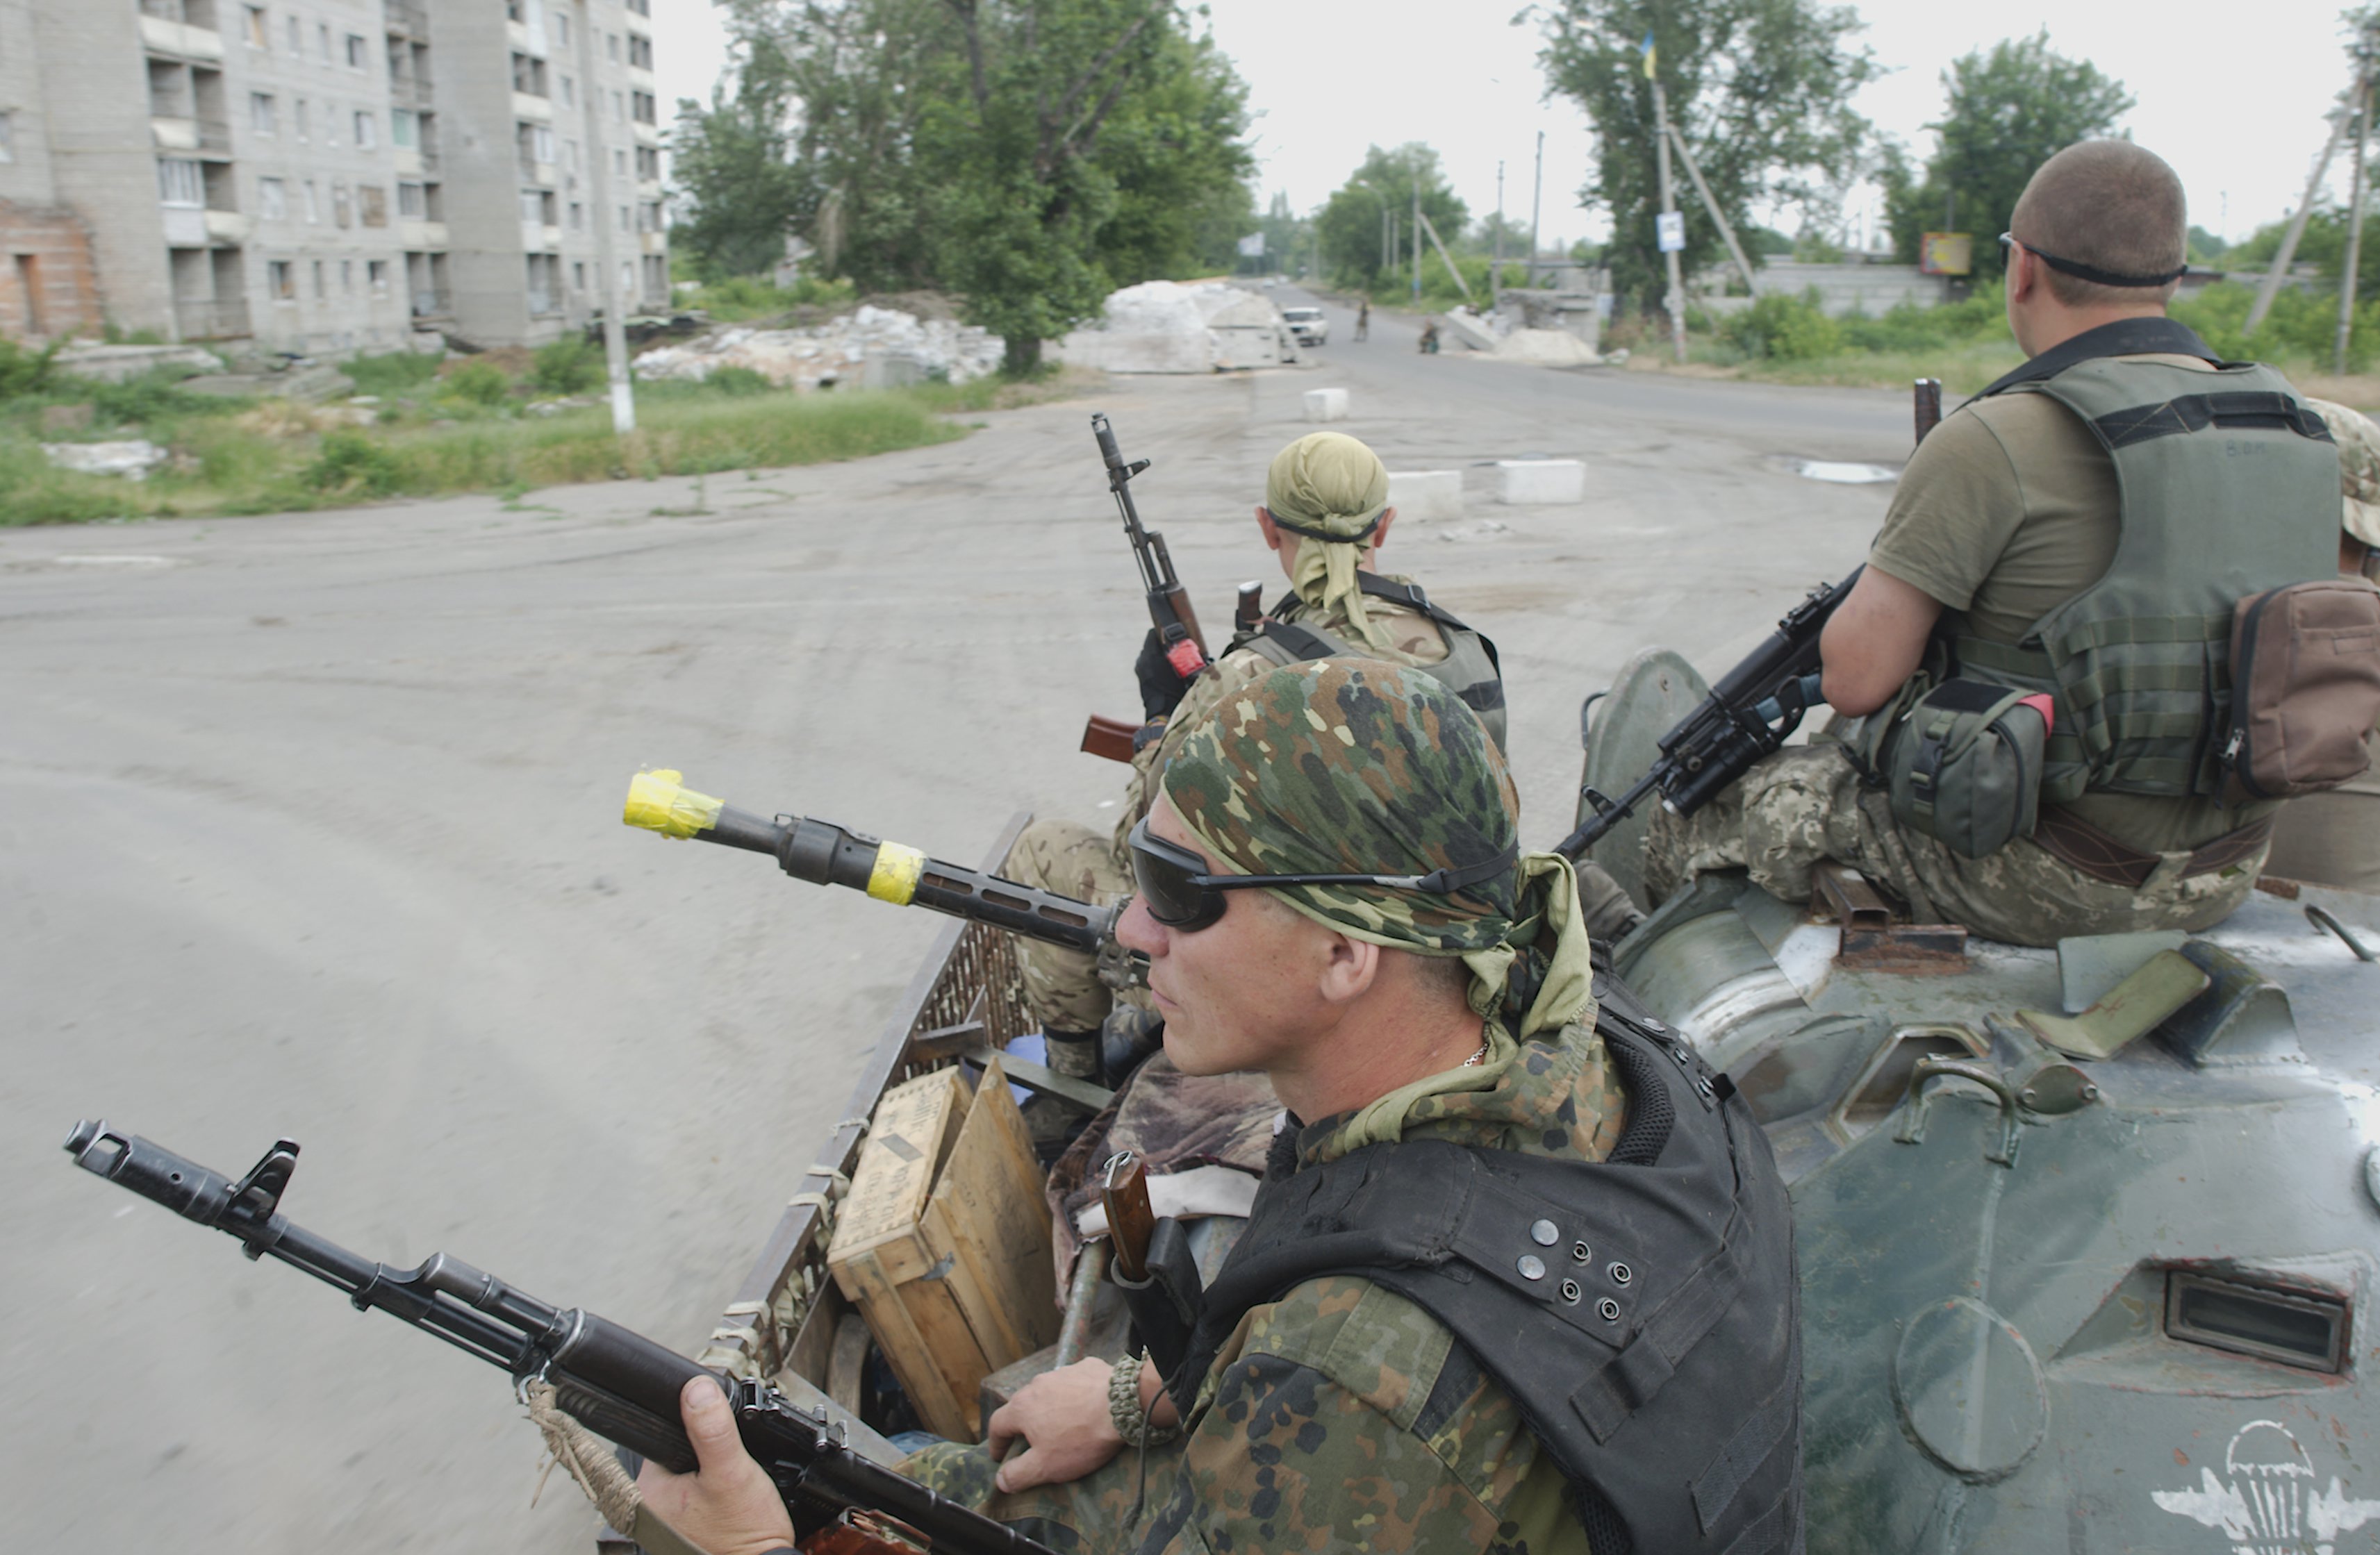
[
  {"x": 2355, "y": 209},
  {"x": 1416, "y": 226},
  {"x": 599, "y": 161},
  {"x": 2289, "y": 248},
  {"x": 1536, "y": 206},
  {"x": 1669, "y": 207},
  {"x": 1735, "y": 250},
  {"x": 1495, "y": 265}
]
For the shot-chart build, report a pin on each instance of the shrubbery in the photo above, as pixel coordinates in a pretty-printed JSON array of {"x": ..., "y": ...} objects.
[
  {"x": 569, "y": 366},
  {"x": 479, "y": 384},
  {"x": 23, "y": 371},
  {"x": 1783, "y": 328},
  {"x": 352, "y": 464},
  {"x": 739, "y": 383},
  {"x": 393, "y": 370}
]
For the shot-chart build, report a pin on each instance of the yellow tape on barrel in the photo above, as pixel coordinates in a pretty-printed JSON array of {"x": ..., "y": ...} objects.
[
  {"x": 658, "y": 802},
  {"x": 895, "y": 879}
]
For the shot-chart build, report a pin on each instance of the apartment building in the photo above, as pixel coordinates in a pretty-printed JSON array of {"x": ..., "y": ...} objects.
[{"x": 325, "y": 176}]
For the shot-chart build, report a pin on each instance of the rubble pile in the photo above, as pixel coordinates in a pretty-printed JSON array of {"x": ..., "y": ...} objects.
[
  {"x": 1170, "y": 326},
  {"x": 905, "y": 348}
]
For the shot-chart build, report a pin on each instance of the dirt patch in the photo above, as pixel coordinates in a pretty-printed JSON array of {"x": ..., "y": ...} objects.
[{"x": 924, "y": 306}]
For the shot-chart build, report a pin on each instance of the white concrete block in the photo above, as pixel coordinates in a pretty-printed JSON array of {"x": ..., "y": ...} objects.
[
  {"x": 1326, "y": 405},
  {"x": 1427, "y": 493},
  {"x": 1541, "y": 480}
]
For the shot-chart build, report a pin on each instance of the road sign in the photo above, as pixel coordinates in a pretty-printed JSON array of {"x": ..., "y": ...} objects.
[
  {"x": 1252, "y": 246},
  {"x": 1670, "y": 227}
]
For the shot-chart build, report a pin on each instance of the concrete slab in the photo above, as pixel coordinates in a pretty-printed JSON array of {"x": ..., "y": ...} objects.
[
  {"x": 1326, "y": 405},
  {"x": 1426, "y": 495},
  {"x": 1520, "y": 481}
]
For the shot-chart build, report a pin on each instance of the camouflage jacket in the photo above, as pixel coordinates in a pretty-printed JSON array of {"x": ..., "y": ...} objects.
[
  {"x": 1417, "y": 642},
  {"x": 1342, "y": 1417}
]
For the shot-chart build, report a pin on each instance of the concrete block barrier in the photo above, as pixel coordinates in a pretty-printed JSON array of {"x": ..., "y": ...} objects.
[
  {"x": 1523, "y": 481},
  {"x": 1427, "y": 493},
  {"x": 1326, "y": 405}
]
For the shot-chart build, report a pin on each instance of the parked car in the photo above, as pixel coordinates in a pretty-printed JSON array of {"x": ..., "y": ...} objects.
[{"x": 1307, "y": 325}]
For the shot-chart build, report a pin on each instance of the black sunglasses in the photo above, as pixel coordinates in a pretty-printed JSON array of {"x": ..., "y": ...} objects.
[
  {"x": 1179, "y": 893},
  {"x": 2082, "y": 272}
]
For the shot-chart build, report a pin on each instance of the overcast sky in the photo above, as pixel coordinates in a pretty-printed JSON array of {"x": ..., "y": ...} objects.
[{"x": 2234, "y": 100}]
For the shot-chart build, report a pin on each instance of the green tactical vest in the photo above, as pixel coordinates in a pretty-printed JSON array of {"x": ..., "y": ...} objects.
[
  {"x": 2228, "y": 486},
  {"x": 1470, "y": 668}
]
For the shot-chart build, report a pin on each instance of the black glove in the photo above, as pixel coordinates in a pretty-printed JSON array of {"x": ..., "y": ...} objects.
[{"x": 1162, "y": 689}]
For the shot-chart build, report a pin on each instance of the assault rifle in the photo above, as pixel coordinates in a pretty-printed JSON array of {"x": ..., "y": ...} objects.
[
  {"x": 826, "y": 854},
  {"x": 1178, "y": 638},
  {"x": 1750, "y": 712},
  {"x": 619, "y": 1384},
  {"x": 1753, "y": 708},
  {"x": 1169, "y": 603}
]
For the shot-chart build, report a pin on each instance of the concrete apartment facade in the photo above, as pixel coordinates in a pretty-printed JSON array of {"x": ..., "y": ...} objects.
[{"x": 325, "y": 177}]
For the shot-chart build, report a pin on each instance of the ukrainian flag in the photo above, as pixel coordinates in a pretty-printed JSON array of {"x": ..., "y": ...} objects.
[{"x": 1648, "y": 53}]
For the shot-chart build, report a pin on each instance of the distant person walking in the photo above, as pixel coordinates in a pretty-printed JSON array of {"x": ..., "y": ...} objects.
[
  {"x": 1429, "y": 338},
  {"x": 1363, "y": 319}
]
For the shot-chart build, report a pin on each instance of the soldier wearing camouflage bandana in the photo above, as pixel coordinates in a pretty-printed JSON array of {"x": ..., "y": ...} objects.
[
  {"x": 1340, "y": 1411},
  {"x": 1325, "y": 515}
]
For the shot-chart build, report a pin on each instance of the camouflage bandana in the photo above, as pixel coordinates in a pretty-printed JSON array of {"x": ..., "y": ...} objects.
[
  {"x": 1351, "y": 766},
  {"x": 1330, "y": 490}
]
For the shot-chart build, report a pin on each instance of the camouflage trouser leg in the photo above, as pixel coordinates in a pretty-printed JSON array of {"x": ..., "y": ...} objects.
[
  {"x": 1804, "y": 805},
  {"x": 1062, "y": 986},
  {"x": 1109, "y": 1510}
]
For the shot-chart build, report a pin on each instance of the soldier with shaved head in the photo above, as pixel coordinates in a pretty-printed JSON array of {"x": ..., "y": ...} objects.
[{"x": 2079, "y": 532}]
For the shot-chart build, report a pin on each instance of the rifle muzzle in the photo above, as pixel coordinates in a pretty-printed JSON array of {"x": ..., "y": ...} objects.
[{"x": 825, "y": 854}]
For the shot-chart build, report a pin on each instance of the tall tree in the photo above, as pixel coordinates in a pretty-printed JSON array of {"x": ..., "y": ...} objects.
[
  {"x": 1352, "y": 218},
  {"x": 2009, "y": 110},
  {"x": 733, "y": 166},
  {"x": 1028, "y": 154},
  {"x": 1760, "y": 90}
]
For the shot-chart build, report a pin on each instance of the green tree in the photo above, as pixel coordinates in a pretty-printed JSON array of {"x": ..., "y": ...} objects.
[
  {"x": 1760, "y": 90},
  {"x": 732, "y": 161},
  {"x": 2009, "y": 109},
  {"x": 1028, "y": 154},
  {"x": 1351, "y": 219}
]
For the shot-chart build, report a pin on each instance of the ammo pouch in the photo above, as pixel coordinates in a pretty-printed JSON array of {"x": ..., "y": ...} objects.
[
  {"x": 2305, "y": 688},
  {"x": 1961, "y": 762}
]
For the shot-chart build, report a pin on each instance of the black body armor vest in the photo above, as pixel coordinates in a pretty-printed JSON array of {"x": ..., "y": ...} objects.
[{"x": 1643, "y": 1311}]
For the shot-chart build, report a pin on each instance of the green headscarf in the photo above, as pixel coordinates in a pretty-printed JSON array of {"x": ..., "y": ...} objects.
[
  {"x": 1330, "y": 490},
  {"x": 1351, "y": 766}
]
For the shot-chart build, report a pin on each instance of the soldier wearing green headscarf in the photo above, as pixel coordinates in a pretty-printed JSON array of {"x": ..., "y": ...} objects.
[
  {"x": 1325, "y": 517},
  {"x": 1332, "y": 891}
]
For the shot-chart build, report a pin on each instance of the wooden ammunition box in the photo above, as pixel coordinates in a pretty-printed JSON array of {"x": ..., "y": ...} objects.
[{"x": 943, "y": 1241}]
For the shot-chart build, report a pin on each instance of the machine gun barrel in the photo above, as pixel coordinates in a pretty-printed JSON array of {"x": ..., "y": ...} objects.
[
  {"x": 619, "y": 1384},
  {"x": 826, "y": 854},
  {"x": 1750, "y": 712}
]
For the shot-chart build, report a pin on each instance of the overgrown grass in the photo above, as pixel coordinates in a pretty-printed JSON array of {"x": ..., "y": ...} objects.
[
  {"x": 1785, "y": 339},
  {"x": 445, "y": 446},
  {"x": 741, "y": 299}
]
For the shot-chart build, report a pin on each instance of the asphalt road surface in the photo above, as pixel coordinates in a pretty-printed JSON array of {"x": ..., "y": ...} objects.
[{"x": 309, "y": 826}]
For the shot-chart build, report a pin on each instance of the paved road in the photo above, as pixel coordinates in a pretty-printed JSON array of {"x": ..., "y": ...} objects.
[{"x": 309, "y": 826}]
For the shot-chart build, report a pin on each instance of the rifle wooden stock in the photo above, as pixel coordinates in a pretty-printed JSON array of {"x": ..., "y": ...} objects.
[{"x": 1110, "y": 737}]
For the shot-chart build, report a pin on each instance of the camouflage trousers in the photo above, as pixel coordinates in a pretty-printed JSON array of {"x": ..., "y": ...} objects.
[
  {"x": 1111, "y": 1509},
  {"x": 1062, "y": 987},
  {"x": 1805, "y": 804}
]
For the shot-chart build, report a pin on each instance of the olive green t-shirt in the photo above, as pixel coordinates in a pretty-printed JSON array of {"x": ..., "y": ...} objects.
[{"x": 2007, "y": 510}]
